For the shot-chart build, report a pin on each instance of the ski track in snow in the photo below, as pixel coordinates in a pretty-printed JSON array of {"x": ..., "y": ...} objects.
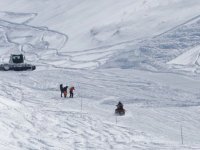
[{"x": 20, "y": 37}]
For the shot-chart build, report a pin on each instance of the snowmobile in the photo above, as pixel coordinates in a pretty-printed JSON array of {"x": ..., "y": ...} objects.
[
  {"x": 120, "y": 111},
  {"x": 16, "y": 63}
]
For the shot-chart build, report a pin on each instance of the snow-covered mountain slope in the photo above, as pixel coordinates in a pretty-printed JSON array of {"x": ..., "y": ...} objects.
[
  {"x": 108, "y": 50},
  {"x": 155, "y": 52},
  {"x": 91, "y": 24}
]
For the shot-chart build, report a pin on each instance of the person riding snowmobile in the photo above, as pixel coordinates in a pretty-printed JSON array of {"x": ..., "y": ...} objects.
[
  {"x": 120, "y": 110},
  {"x": 119, "y": 105}
]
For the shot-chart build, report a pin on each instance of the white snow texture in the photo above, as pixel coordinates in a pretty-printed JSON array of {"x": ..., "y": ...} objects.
[{"x": 144, "y": 53}]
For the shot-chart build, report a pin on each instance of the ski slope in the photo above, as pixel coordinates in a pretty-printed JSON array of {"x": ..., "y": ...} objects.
[{"x": 142, "y": 53}]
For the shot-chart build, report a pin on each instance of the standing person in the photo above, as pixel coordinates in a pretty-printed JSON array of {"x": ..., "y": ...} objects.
[
  {"x": 71, "y": 91},
  {"x": 65, "y": 91},
  {"x": 61, "y": 89}
]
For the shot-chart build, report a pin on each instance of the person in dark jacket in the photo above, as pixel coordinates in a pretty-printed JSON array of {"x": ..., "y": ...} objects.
[
  {"x": 61, "y": 89},
  {"x": 65, "y": 91},
  {"x": 120, "y": 110},
  {"x": 71, "y": 91},
  {"x": 119, "y": 105}
]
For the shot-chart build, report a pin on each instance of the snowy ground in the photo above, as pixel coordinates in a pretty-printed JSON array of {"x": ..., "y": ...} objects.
[
  {"x": 34, "y": 117},
  {"x": 143, "y": 53}
]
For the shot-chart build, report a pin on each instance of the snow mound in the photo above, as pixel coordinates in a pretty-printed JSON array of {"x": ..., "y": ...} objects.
[{"x": 190, "y": 57}]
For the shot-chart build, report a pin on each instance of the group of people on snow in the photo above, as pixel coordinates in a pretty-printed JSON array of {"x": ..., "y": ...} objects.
[{"x": 63, "y": 91}]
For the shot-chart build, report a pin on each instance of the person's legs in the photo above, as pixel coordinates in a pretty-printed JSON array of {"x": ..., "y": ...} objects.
[
  {"x": 72, "y": 95},
  {"x": 61, "y": 93},
  {"x": 65, "y": 94}
]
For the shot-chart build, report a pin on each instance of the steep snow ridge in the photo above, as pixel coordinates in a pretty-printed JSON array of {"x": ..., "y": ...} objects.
[
  {"x": 190, "y": 57},
  {"x": 153, "y": 54}
]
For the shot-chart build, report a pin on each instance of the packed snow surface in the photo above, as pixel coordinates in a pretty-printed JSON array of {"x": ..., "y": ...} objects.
[{"x": 142, "y": 53}]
